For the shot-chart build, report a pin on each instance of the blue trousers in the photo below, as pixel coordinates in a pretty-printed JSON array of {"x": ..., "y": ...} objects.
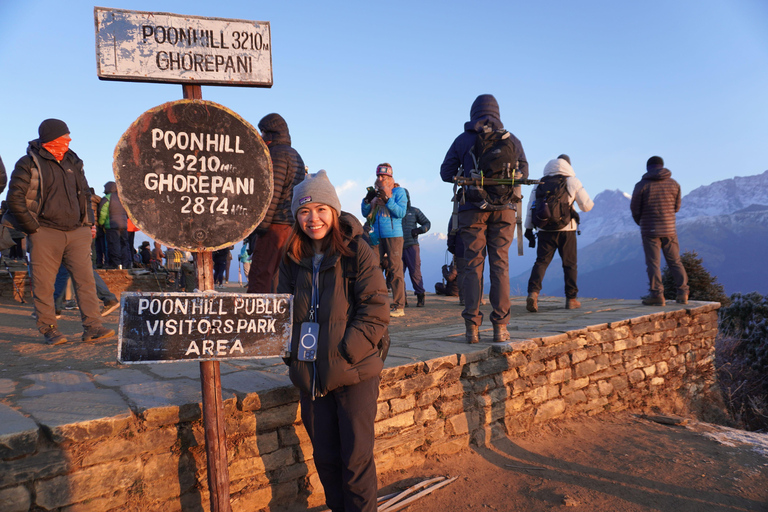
[
  {"x": 412, "y": 263},
  {"x": 63, "y": 277}
]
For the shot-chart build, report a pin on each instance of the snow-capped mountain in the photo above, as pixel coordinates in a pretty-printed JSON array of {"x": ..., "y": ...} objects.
[
  {"x": 610, "y": 215},
  {"x": 725, "y": 196}
]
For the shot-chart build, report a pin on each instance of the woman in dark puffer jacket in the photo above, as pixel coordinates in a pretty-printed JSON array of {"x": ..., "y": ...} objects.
[{"x": 338, "y": 376}]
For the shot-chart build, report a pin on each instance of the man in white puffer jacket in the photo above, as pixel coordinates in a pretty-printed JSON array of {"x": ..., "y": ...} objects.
[{"x": 563, "y": 240}]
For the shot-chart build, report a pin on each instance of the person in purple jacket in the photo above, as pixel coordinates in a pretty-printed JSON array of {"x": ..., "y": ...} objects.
[{"x": 655, "y": 201}]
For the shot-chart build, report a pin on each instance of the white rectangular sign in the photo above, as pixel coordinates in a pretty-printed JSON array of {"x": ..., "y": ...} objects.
[{"x": 164, "y": 47}]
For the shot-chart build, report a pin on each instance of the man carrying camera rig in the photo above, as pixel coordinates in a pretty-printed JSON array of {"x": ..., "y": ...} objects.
[{"x": 385, "y": 205}]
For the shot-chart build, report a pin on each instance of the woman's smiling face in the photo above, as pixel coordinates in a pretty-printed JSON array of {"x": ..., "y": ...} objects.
[{"x": 315, "y": 219}]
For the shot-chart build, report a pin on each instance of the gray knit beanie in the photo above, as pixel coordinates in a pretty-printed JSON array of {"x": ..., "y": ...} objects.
[{"x": 316, "y": 188}]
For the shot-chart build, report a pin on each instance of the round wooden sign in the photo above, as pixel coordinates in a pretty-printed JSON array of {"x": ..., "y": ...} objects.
[{"x": 193, "y": 175}]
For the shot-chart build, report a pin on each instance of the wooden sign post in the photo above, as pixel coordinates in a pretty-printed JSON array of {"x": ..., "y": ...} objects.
[{"x": 191, "y": 174}]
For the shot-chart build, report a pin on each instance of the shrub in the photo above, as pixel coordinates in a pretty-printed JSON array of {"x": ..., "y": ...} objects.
[
  {"x": 742, "y": 357},
  {"x": 702, "y": 285}
]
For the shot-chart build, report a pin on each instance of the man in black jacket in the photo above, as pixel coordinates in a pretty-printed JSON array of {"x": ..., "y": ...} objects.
[
  {"x": 415, "y": 223},
  {"x": 484, "y": 229},
  {"x": 655, "y": 201},
  {"x": 50, "y": 200},
  {"x": 267, "y": 240}
]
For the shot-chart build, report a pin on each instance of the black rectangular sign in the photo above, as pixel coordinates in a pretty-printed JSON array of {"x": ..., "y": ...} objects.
[{"x": 166, "y": 327}]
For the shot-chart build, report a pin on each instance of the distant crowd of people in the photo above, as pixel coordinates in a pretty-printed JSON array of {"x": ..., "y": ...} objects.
[{"x": 341, "y": 272}]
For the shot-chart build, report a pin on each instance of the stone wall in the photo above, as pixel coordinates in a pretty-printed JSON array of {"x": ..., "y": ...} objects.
[
  {"x": 118, "y": 281},
  {"x": 154, "y": 459}
]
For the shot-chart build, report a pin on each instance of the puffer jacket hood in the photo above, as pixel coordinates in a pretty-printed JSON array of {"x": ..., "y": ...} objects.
[
  {"x": 484, "y": 111},
  {"x": 660, "y": 173},
  {"x": 558, "y": 167},
  {"x": 350, "y": 225},
  {"x": 274, "y": 130},
  {"x": 110, "y": 187}
]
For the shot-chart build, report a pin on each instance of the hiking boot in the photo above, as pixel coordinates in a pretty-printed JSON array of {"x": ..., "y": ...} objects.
[
  {"x": 420, "y": 300},
  {"x": 532, "y": 302},
  {"x": 97, "y": 333},
  {"x": 500, "y": 333},
  {"x": 473, "y": 334},
  {"x": 397, "y": 312},
  {"x": 682, "y": 298},
  {"x": 53, "y": 336},
  {"x": 651, "y": 300},
  {"x": 572, "y": 303},
  {"x": 109, "y": 307}
]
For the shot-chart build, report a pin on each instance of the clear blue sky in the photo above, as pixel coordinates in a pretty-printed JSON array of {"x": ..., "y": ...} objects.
[{"x": 610, "y": 83}]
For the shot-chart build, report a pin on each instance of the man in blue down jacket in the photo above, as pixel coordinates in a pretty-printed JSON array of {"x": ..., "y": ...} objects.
[
  {"x": 267, "y": 241},
  {"x": 483, "y": 231},
  {"x": 655, "y": 201},
  {"x": 385, "y": 211},
  {"x": 49, "y": 199}
]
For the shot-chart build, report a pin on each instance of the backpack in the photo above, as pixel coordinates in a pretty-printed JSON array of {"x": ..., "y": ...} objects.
[
  {"x": 495, "y": 156},
  {"x": 350, "y": 274},
  {"x": 551, "y": 209},
  {"x": 173, "y": 259}
]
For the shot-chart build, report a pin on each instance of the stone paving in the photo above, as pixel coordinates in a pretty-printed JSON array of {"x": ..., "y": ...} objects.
[{"x": 56, "y": 387}]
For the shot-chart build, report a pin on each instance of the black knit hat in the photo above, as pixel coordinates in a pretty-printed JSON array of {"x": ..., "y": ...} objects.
[
  {"x": 52, "y": 129},
  {"x": 655, "y": 162},
  {"x": 565, "y": 157}
]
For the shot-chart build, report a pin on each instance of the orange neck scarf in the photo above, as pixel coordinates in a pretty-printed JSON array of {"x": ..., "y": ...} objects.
[{"x": 58, "y": 147}]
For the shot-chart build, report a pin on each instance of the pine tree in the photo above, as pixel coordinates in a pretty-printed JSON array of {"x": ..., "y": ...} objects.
[{"x": 702, "y": 285}]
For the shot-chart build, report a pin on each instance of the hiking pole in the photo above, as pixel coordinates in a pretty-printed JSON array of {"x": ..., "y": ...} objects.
[{"x": 480, "y": 182}]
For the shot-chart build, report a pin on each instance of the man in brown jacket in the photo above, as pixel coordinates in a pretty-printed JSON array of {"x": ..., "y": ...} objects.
[{"x": 655, "y": 201}]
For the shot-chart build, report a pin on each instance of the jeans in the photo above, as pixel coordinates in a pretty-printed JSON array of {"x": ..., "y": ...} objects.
[
  {"x": 412, "y": 262},
  {"x": 63, "y": 277},
  {"x": 671, "y": 249}
]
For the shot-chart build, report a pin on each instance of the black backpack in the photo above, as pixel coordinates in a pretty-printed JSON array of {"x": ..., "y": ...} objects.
[
  {"x": 551, "y": 209},
  {"x": 495, "y": 156},
  {"x": 350, "y": 274}
]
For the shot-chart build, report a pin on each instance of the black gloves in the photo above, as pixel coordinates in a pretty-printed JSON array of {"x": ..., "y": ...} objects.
[
  {"x": 370, "y": 195},
  {"x": 415, "y": 233},
  {"x": 530, "y": 237}
]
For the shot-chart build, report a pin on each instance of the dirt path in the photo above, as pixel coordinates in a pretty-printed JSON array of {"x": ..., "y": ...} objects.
[{"x": 618, "y": 462}]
